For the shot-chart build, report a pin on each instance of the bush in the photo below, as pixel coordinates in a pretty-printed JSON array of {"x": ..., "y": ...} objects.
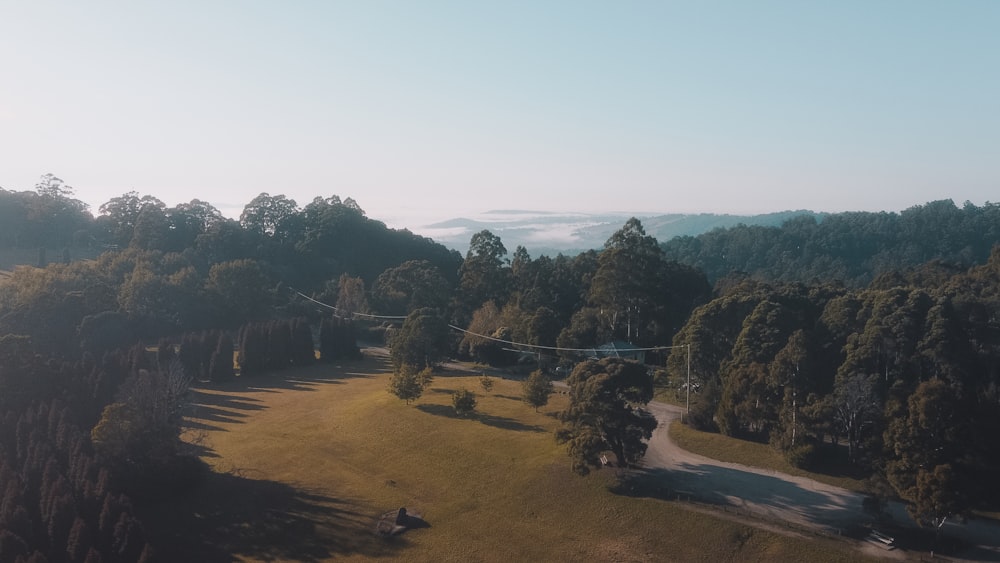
[
  {"x": 803, "y": 456},
  {"x": 464, "y": 402},
  {"x": 486, "y": 382}
]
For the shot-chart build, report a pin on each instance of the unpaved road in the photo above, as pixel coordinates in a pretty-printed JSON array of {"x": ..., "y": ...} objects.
[{"x": 776, "y": 495}]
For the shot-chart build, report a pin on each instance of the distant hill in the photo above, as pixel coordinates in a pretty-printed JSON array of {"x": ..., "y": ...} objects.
[{"x": 545, "y": 233}]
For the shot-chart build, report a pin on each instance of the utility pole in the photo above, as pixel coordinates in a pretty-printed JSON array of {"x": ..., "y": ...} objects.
[{"x": 687, "y": 406}]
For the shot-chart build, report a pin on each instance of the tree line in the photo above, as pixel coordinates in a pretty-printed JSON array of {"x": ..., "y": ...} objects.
[{"x": 905, "y": 373}]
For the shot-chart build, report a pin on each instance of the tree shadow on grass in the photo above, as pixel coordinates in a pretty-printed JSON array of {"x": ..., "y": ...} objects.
[
  {"x": 487, "y": 419},
  {"x": 226, "y": 401},
  {"x": 228, "y": 516},
  {"x": 223, "y": 402}
]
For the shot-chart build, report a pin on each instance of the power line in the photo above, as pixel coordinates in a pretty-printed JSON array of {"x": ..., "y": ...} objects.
[
  {"x": 554, "y": 348},
  {"x": 348, "y": 314},
  {"x": 484, "y": 336}
]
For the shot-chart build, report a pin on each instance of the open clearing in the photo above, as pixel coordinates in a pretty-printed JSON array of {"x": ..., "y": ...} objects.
[{"x": 304, "y": 464}]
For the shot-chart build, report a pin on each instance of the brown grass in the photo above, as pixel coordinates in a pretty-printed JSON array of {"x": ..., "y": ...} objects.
[{"x": 303, "y": 465}]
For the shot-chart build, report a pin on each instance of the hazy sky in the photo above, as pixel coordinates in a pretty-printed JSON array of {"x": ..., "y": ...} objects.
[{"x": 423, "y": 109}]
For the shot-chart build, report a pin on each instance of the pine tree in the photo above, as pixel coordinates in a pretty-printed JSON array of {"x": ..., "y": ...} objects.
[
  {"x": 79, "y": 543},
  {"x": 303, "y": 352},
  {"x": 221, "y": 366},
  {"x": 165, "y": 354}
]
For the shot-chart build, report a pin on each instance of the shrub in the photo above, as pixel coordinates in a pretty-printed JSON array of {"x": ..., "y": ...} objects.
[
  {"x": 486, "y": 382},
  {"x": 803, "y": 456},
  {"x": 464, "y": 402}
]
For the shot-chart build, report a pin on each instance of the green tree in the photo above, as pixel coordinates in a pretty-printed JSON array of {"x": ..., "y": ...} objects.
[
  {"x": 120, "y": 215},
  {"x": 929, "y": 454},
  {"x": 422, "y": 340},
  {"x": 643, "y": 297},
  {"x": 543, "y": 327},
  {"x": 411, "y": 285},
  {"x": 485, "y": 274},
  {"x": 240, "y": 290},
  {"x": 626, "y": 279},
  {"x": 269, "y": 215},
  {"x": 464, "y": 402},
  {"x": 606, "y": 413},
  {"x": 188, "y": 221},
  {"x": 408, "y": 383},
  {"x": 141, "y": 431},
  {"x": 536, "y": 389},
  {"x": 487, "y": 323},
  {"x": 351, "y": 296}
]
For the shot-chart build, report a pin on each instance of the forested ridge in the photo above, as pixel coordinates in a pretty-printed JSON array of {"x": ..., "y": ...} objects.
[
  {"x": 852, "y": 247},
  {"x": 878, "y": 350}
]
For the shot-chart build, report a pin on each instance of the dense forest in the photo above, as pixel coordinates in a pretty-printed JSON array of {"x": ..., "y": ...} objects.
[
  {"x": 852, "y": 248},
  {"x": 865, "y": 340}
]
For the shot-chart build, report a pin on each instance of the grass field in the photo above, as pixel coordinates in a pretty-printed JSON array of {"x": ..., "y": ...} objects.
[{"x": 304, "y": 464}]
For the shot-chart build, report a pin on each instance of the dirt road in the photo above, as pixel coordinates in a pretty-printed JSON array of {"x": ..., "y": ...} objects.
[{"x": 777, "y": 495}]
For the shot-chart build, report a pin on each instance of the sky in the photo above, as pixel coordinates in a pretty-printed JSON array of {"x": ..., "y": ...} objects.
[{"x": 423, "y": 110}]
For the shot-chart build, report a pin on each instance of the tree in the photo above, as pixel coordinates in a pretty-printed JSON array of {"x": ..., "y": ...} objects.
[
  {"x": 543, "y": 327},
  {"x": 464, "y": 402},
  {"x": 485, "y": 274},
  {"x": 606, "y": 413},
  {"x": 488, "y": 322},
  {"x": 486, "y": 382},
  {"x": 422, "y": 340},
  {"x": 189, "y": 220},
  {"x": 408, "y": 383},
  {"x": 141, "y": 431},
  {"x": 240, "y": 290},
  {"x": 411, "y": 285},
  {"x": 268, "y": 215},
  {"x": 929, "y": 454},
  {"x": 337, "y": 340},
  {"x": 537, "y": 389},
  {"x": 121, "y": 214},
  {"x": 220, "y": 367},
  {"x": 351, "y": 296},
  {"x": 856, "y": 408},
  {"x": 643, "y": 297}
]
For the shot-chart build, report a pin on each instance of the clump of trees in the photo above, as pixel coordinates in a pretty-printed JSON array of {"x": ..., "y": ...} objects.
[
  {"x": 62, "y": 500},
  {"x": 275, "y": 345},
  {"x": 901, "y": 373}
]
